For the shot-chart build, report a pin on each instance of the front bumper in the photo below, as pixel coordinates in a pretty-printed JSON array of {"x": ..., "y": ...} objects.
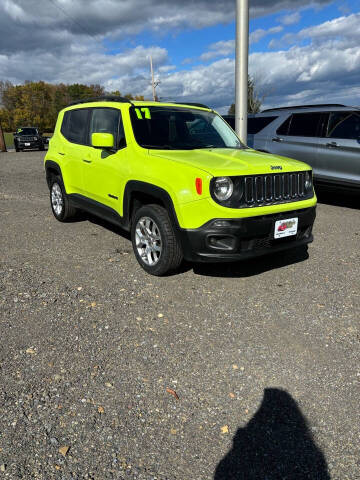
[
  {"x": 223, "y": 240},
  {"x": 30, "y": 144}
]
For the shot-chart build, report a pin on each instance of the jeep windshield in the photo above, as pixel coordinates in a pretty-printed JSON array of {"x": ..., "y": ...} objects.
[
  {"x": 26, "y": 131},
  {"x": 176, "y": 128}
]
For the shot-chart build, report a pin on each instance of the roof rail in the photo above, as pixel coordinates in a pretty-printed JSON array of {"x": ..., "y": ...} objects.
[
  {"x": 192, "y": 104},
  {"x": 304, "y": 106},
  {"x": 103, "y": 98}
]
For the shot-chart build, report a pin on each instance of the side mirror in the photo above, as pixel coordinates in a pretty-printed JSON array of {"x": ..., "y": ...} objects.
[{"x": 102, "y": 140}]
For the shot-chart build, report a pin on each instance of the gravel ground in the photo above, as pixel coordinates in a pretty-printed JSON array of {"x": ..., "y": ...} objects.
[{"x": 263, "y": 355}]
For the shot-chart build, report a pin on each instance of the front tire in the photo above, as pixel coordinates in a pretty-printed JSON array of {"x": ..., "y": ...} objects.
[
  {"x": 59, "y": 201},
  {"x": 154, "y": 241}
]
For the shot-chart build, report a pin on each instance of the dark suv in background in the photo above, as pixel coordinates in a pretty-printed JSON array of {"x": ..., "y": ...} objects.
[
  {"x": 327, "y": 137},
  {"x": 28, "y": 138}
]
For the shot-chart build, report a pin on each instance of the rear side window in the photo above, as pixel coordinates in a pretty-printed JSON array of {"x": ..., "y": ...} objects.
[
  {"x": 344, "y": 125},
  {"x": 301, "y": 125},
  {"x": 74, "y": 125},
  {"x": 256, "y": 124}
]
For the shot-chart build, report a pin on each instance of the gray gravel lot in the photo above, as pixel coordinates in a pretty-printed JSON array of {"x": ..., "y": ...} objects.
[{"x": 263, "y": 355}]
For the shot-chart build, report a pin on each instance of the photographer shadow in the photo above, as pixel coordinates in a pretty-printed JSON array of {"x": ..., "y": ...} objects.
[{"x": 276, "y": 444}]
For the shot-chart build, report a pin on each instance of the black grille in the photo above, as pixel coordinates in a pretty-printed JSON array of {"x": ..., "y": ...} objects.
[
  {"x": 24, "y": 138},
  {"x": 274, "y": 188}
]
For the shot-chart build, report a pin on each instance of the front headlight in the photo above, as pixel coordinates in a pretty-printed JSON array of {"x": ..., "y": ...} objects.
[
  {"x": 223, "y": 188},
  {"x": 308, "y": 181}
]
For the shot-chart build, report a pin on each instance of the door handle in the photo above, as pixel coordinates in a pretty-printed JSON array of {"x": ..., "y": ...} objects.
[
  {"x": 86, "y": 161},
  {"x": 277, "y": 139},
  {"x": 60, "y": 153},
  {"x": 332, "y": 145}
]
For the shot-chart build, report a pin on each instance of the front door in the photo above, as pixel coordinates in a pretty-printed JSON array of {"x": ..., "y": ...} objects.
[{"x": 106, "y": 170}]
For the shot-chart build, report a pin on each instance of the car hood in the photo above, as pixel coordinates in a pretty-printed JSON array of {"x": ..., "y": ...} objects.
[{"x": 230, "y": 162}]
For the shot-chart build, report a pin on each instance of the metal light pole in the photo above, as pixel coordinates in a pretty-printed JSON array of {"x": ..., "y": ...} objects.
[
  {"x": 241, "y": 68},
  {"x": 152, "y": 79}
]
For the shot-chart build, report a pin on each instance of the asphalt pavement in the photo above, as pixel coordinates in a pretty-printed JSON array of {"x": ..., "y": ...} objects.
[{"x": 221, "y": 372}]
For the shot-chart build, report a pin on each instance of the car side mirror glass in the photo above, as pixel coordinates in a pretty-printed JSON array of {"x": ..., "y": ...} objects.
[{"x": 102, "y": 140}]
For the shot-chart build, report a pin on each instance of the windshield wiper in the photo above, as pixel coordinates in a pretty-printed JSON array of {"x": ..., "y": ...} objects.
[{"x": 159, "y": 147}]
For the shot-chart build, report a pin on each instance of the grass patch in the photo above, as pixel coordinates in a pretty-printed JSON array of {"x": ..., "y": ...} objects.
[{"x": 9, "y": 140}]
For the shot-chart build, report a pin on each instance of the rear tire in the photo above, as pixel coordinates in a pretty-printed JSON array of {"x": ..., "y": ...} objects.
[
  {"x": 154, "y": 241},
  {"x": 59, "y": 200}
]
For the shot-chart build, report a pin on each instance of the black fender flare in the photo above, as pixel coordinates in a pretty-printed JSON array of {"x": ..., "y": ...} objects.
[
  {"x": 51, "y": 166},
  {"x": 135, "y": 186}
]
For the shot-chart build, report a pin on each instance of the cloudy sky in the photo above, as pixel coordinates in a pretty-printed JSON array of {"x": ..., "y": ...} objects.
[{"x": 301, "y": 51}]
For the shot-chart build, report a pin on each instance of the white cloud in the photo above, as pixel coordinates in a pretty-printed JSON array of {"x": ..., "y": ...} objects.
[
  {"x": 77, "y": 19},
  {"x": 166, "y": 68},
  {"x": 15, "y": 12},
  {"x": 84, "y": 65},
  {"x": 219, "y": 49},
  {"x": 291, "y": 18},
  {"x": 225, "y": 48},
  {"x": 326, "y": 70},
  {"x": 258, "y": 34},
  {"x": 346, "y": 27},
  {"x": 54, "y": 49}
]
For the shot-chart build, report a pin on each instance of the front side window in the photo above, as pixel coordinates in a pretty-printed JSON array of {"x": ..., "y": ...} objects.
[
  {"x": 256, "y": 124},
  {"x": 344, "y": 125},
  {"x": 74, "y": 125},
  {"x": 108, "y": 120},
  {"x": 176, "y": 128}
]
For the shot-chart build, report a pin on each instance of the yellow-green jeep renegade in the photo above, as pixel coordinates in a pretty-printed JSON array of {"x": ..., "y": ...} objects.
[{"x": 179, "y": 179}]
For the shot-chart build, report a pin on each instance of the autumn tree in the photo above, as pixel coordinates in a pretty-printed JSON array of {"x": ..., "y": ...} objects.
[
  {"x": 129, "y": 96},
  {"x": 38, "y": 103},
  {"x": 254, "y": 99}
]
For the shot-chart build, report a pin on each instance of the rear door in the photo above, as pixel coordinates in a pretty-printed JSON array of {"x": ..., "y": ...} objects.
[
  {"x": 258, "y": 131},
  {"x": 298, "y": 137},
  {"x": 74, "y": 148},
  {"x": 339, "y": 148}
]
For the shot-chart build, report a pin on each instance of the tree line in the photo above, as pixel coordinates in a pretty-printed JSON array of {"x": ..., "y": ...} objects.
[{"x": 38, "y": 103}]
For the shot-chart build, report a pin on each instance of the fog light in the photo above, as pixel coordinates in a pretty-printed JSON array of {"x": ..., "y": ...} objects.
[
  {"x": 221, "y": 223},
  {"x": 221, "y": 242}
]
